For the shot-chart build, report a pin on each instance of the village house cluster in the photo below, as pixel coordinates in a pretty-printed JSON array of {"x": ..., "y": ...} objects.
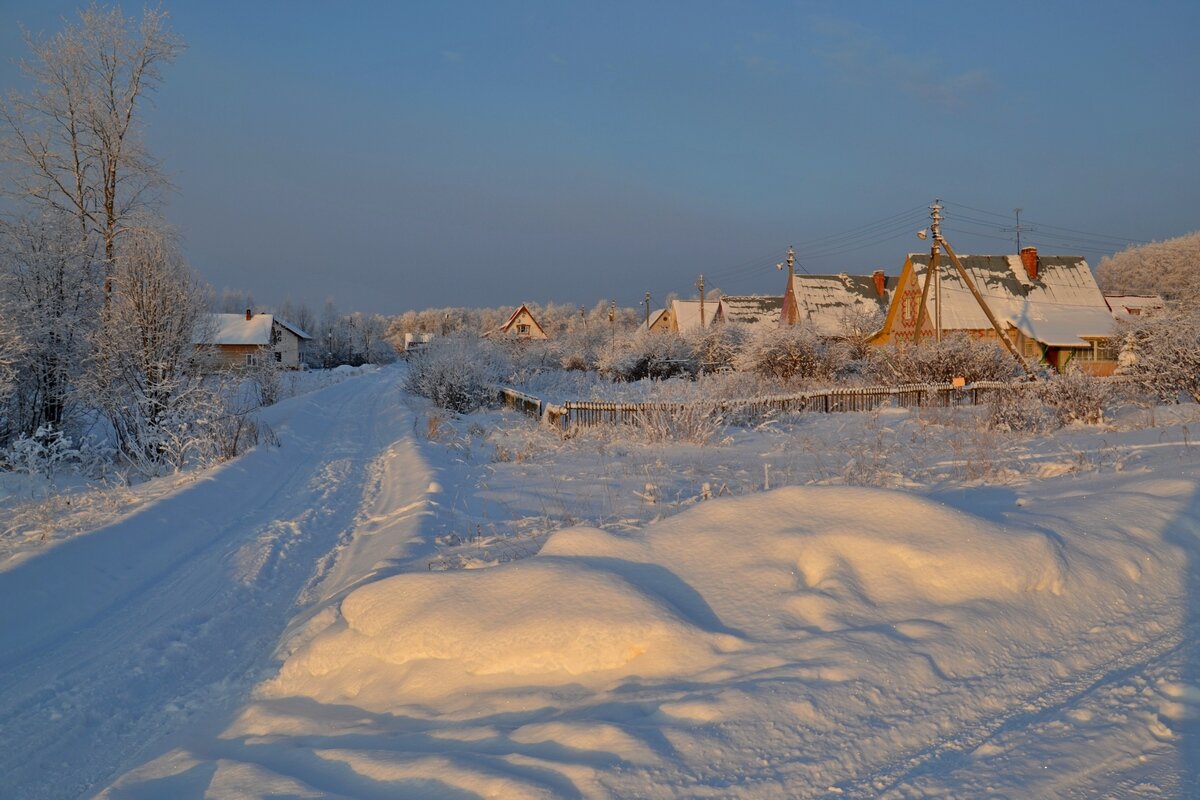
[{"x": 1049, "y": 308}]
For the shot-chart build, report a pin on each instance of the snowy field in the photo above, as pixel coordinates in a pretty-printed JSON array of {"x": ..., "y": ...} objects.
[{"x": 396, "y": 602}]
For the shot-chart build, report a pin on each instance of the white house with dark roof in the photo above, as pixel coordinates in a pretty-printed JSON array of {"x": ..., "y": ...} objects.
[
  {"x": 1049, "y": 307},
  {"x": 242, "y": 340}
]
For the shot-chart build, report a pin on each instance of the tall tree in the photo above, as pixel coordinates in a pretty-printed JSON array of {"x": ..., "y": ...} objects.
[
  {"x": 143, "y": 376},
  {"x": 75, "y": 137}
]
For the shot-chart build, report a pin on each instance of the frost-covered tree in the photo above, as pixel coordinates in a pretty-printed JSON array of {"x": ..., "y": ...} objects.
[
  {"x": 1160, "y": 354},
  {"x": 49, "y": 283},
  {"x": 75, "y": 139},
  {"x": 144, "y": 377},
  {"x": 718, "y": 347},
  {"x": 1170, "y": 268}
]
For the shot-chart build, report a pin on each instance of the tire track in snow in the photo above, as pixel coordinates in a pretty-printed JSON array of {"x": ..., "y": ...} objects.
[{"x": 113, "y": 641}]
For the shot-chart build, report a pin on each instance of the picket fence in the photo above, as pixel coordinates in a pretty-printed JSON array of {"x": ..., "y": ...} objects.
[{"x": 590, "y": 413}]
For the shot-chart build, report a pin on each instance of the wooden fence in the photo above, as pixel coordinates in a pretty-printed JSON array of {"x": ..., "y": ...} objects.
[{"x": 590, "y": 413}]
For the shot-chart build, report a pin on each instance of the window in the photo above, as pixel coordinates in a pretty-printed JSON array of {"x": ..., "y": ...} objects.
[
  {"x": 278, "y": 357},
  {"x": 522, "y": 329},
  {"x": 251, "y": 359},
  {"x": 1032, "y": 349}
]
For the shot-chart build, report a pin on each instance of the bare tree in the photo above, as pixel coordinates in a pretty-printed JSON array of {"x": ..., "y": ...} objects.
[
  {"x": 75, "y": 138},
  {"x": 144, "y": 377}
]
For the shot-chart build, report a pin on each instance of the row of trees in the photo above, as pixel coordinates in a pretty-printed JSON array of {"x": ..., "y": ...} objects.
[{"x": 98, "y": 308}]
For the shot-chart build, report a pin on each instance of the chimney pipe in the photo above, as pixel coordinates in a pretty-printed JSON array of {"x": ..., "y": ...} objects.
[
  {"x": 1029, "y": 258},
  {"x": 248, "y": 315},
  {"x": 880, "y": 282}
]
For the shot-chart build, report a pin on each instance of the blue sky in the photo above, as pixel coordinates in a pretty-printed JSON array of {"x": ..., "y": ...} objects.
[{"x": 406, "y": 155}]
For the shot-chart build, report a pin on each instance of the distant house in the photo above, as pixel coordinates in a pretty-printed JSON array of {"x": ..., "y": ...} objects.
[
  {"x": 521, "y": 325},
  {"x": 416, "y": 341},
  {"x": 660, "y": 321},
  {"x": 751, "y": 309},
  {"x": 831, "y": 303},
  {"x": 242, "y": 340},
  {"x": 682, "y": 316},
  {"x": 1128, "y": 307},
  {"x": 1049, "y": 307}
]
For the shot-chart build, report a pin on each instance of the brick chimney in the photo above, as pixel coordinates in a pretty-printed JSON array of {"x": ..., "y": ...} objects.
[
  {"x": 1029, "y": 258},
  {"x": 880, "y": 282},
  {"x": 248, "y": 315}
]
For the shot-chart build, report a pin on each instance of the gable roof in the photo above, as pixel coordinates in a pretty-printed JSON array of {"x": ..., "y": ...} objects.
[
  {"x": 687, "y": 314},
  {"x": 750, "y": 309},
  {"x": 513, "y": 318},
  {"x": 1058, "y": 308},
  {"x": 823, "y": 301},
  {"x": 655, "y": 316},
  {"x": 235, "y": 329}
]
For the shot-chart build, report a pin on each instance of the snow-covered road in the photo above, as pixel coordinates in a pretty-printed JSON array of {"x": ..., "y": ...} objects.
[{"x": 112, "y": 641}]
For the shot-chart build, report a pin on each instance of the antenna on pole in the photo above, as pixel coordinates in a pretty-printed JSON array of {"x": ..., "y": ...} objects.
[
  {"x": 700, "y": 286},
  {"x": 1018, "y": 227},
  {"x": 647, "y": 302}
]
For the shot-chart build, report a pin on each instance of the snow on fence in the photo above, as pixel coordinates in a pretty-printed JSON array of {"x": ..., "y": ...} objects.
[{"x": 590, "y": 413}]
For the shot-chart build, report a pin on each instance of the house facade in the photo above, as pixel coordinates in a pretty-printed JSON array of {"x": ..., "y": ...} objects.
[
  {"x": 1049, "y": 307},
  {"x": 245, "y": 340}
]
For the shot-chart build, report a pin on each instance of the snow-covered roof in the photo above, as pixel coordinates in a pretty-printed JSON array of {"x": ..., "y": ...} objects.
[
  {"x": 1058, "y": 308},
  {"x": 235, "y": 329},
  {"x": 1130, "y": 306},
  {"x": 687, "y": 314},
  {"x": 232, "y": 329},
  {"x": 753, "y": 309},
  {"x": 823, "y": 301}
]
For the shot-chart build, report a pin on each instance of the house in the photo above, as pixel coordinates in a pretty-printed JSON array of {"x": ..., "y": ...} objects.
[
  {"x": 832, "y": 304},
  {"x": 660, "y": 321},
  {"x": 416, "y": 341},
  {"x": 754, "y": 309},
  {"x": 1049, "y": 307},
  {"x": 521, "y": 325},
  {"x": 682, "y": 316},
  {"x": 1128, "y": 307},
  {"x": 241, "y": 340}
]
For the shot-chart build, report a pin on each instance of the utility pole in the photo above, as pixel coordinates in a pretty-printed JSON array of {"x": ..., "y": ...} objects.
[
  {"x": 612, "y": 321},
  {"x": 931, "y": 277},
  {"x": 647, "y": 304},
  {"x": 1016, "y": 228},
  {"x": 700, "y": 286}
]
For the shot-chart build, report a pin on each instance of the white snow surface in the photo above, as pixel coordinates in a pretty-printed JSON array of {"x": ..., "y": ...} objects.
[{"x": 272, "y": 629}]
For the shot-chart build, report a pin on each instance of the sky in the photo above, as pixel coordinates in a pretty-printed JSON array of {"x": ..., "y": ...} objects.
[{"x": 397, "y": 156}]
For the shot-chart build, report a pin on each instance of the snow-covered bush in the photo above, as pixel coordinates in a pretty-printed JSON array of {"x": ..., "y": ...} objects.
[
  {"x": 957, "y": 355},
  {"x": 1019, "y": 410},
  {"x": 49, "y": 450},
  {"x": 457, "y": 373},
  {"x": 695, "y": 422},
  {"x": 787, "y": 353},
  {"x": 718, "y": 347},
  {"x": 648, "y": 355},
  {"x": 1076, "y": 396}
]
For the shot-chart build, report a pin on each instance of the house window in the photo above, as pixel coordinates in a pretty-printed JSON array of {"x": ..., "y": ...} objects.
[
  {"x": 251, "y": 359},
  {"x": 1032, "y": 349},
  {"x": 1103, "y": 350},
  {"x": 278, "y": 357},
  {"x": 522, "y": 329}
]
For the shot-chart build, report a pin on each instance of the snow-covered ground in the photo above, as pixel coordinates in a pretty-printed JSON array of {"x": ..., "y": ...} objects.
[{"x": 397, "y": 603}]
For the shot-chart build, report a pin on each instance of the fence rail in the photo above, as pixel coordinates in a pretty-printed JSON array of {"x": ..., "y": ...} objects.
[{"x": 590, "y": 413}]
